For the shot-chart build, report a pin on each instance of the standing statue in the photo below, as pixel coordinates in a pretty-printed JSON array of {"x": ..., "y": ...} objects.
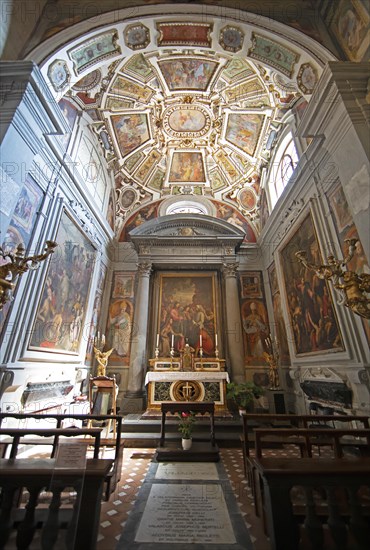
[{"x": 102, "y": 359}]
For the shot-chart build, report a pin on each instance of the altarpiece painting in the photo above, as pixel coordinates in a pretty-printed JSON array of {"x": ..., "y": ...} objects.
[{"x": 187, "y": 311}]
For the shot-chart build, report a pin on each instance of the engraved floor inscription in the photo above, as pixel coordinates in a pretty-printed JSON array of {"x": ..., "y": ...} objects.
[
  {"x": 186, "y": 514},
  {"x": 187, "y": 470}
]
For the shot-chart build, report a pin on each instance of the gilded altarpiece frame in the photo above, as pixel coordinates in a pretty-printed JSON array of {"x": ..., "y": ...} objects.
[{"x": 187, "y": 308}]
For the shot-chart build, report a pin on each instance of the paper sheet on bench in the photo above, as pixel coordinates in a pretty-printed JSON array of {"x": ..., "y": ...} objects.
[{"x": 71, "y": 454}]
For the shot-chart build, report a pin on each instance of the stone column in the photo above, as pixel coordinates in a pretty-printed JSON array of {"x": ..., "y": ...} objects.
[
  {"x": 233, "y": 322},
  {"x": 133, "y": 401}
]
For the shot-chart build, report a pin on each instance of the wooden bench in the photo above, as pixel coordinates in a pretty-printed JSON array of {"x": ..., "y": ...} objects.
[
  {"x": 58, "y": 421},
  {"x": 305, "y": 439},
  {"x": 262, "y": 420},
  {"x": 344, "y": 520},
  {"x": 38, "y": 475}
]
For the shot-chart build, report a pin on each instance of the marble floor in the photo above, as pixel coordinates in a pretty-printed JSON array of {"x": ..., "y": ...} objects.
[{"x": 146, "y": 499}]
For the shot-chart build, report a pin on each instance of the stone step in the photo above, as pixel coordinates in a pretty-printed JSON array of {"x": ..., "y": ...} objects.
[
  {"x": 151, "y": 439},
  {"x": 172, "y": 426}
]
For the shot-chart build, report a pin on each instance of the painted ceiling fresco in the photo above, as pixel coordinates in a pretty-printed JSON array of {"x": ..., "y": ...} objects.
[{"x": 185, "y": 108}]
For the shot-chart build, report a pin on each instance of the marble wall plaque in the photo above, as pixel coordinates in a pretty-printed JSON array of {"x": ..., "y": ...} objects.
[
  {"x": 192, "y": 514},
  {"x": 188, "y": 470}
]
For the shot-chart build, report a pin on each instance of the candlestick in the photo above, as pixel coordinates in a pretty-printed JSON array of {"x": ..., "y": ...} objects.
[
  {"x": 157, "y": 344},
  {"x": 200, "y": 341},
  {"x": 103, "y": 340},
  {"x": 216, "y": 340},
  {"x": 172, "y": 340}
]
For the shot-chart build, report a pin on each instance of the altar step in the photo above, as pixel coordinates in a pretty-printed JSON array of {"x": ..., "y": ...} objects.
[{"x": 137, "y": 432}]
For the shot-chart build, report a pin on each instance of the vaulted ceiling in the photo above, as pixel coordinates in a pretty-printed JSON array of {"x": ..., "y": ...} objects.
[{"x": 185, "y": 104}]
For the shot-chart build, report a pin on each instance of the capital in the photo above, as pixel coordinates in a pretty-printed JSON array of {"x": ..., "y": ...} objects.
[
  {"x": 229, "y": 269},
  {"x": 144, "y": 269}
]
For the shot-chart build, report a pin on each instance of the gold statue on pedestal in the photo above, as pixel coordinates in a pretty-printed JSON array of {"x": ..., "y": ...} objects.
[
  {"x": 272, "y": 358},
  {"x": 187, "y": 357},
  {"x": 273, "y": 371},
  {"x": 102, "y": 359}
]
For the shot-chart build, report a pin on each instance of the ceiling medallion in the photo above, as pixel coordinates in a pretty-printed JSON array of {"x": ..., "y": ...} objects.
[
  {"x": 231, "y": 39},
  {"x": 136, "y": 37},
  {"x": 186, "y": 121},
  {"x": 59, "y": 74},
  {"x": 247, "y": 199},
  {"x": 307, "y": 78}
]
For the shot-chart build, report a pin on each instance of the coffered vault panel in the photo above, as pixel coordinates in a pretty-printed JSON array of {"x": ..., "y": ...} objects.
[{"x": 185, "y": 106}]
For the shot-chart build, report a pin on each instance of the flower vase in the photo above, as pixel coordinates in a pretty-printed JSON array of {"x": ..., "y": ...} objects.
[{"x": 186, "y": 444}]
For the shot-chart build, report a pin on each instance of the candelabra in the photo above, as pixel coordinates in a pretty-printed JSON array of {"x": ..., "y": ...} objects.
[
  {"x": 272, "y": 358},
  {"x": 100, "y": 355},
  {"x": 353, "y": 287},
  {"x": 17, "y": 265}
]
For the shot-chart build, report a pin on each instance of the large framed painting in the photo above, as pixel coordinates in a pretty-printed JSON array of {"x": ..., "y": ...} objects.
[
  {"x": 60, "y": 315},
  {"x": 187, "y": 311},
  {"x": 313, "y": 320}
]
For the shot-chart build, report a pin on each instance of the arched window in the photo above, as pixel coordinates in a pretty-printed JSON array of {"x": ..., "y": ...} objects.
[
  {"x": 285, "y": 161},
  {"x": 186, "y": 207}
]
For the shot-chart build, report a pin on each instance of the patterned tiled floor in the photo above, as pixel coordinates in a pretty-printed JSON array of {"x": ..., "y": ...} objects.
[{"x": 135, "y": 465}]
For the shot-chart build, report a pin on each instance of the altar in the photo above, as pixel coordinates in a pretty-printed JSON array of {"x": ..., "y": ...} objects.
[{"x": 166, "y": 381}]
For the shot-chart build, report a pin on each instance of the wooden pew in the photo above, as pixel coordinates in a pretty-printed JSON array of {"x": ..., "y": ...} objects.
[
  {"x": 263, "y": 420},
  {"x": 305, "y": 439},
  {"x": 342, "y": 517},
  {"x": 60, "y": 420},
  {"x": 38, "y": 475}
]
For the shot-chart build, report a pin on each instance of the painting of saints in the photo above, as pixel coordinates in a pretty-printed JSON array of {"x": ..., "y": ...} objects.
[
  {"x": 187, "y": 312},
  {"x": 187, "y": 166},
  {"x": 131, "y": 131},
  {"x": 120, "y": 313},
  {"x": 312, "y": 316},
  {"x": 256, "y": 329}
]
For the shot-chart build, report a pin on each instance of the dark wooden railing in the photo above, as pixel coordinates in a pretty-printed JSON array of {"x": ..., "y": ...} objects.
[
  {"x": 37, "y": 475},
  {"x": 339, "y": 518},
  {"x": 59, "y": 421}
]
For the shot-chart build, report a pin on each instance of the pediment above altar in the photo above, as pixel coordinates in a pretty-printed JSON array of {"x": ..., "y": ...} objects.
[{"x": 187, "y": 230}]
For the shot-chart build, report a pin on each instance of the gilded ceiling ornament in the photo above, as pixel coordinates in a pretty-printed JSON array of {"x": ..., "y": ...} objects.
[
  {"x": 89, "y": 52},
  {"x": 307, "y": 78},
  {"x": 136, "y": 37},
  {"x": 182, "y": 34},
  {"x": 231, "y": 38},
  {"x": 59, "y": 75},
  {"x": 273, "y": 54},
  {"x": 88, "y": 82}
]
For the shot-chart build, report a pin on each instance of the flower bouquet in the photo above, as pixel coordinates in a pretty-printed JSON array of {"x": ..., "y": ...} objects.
[{"x": 185, "y": 427}]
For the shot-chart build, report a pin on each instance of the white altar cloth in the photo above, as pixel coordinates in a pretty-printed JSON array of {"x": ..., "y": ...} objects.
[{"x": 187, "y": 375}]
